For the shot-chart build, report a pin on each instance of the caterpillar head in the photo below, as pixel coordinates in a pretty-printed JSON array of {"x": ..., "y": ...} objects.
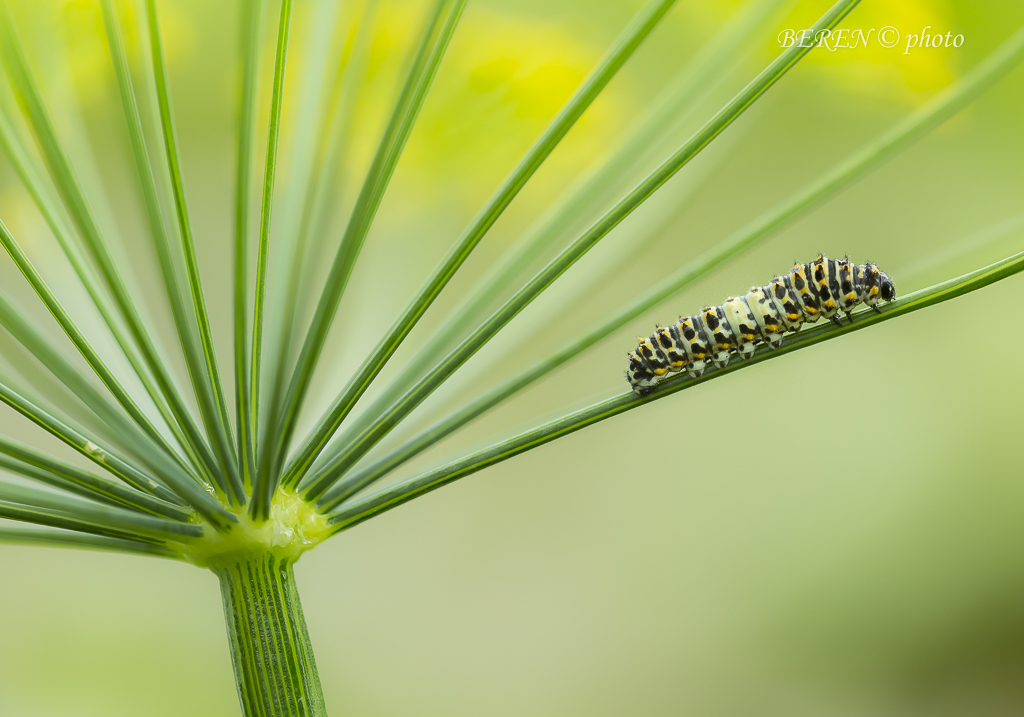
[
  {"x": 639, "y": 375},
  {"x": 885, "y": 287}
]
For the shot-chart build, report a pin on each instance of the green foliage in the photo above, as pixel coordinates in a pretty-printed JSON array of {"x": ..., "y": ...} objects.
[
  {"x": 394, "y": 496},
  {"x": 245, "y": 496}
]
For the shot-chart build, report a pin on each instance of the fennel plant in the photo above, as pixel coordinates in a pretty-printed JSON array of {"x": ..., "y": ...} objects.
[{"x": 240, "y": 487}]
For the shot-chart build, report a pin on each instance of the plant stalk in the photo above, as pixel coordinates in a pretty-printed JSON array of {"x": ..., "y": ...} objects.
[{"x": 275, "y": 672}]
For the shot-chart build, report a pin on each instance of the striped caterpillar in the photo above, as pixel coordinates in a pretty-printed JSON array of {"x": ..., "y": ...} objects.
[{"x": 823, "y": 287}]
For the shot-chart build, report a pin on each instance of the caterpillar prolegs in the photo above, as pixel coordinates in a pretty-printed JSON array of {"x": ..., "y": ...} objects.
[{"x": 821, "y": 288}]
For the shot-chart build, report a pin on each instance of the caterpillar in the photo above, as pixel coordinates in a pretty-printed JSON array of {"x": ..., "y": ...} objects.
[{"x": 820, "y": 288}]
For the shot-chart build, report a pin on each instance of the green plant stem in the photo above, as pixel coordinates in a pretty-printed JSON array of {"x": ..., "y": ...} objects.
[
  {"x": 216, "y": 415},
  {"x": 319, "y": 190},
  {"x": 48, "y": 208},
  {"x": 275, "y": 671},
  {"x": 641, "y": 26},
  {"x": 667, "y": 113},
  {"x": 263, "y": 483},
  {"x": 57, "y": 510},
  {"x": 127, "y": 433},
  {"x": 57, "y": 519},
  {"x": 888, "y": 143},
  {"x": 186, "y": 490},
  {"x": 56, "y": 309},
  {"x": 88, "y": 448},
  {"x": 469, "y": 346},
  {"x": 213, "y": 414},
  {"x": 251, "y": 31},
  {"x": 405, "y": 491},
  {"x": 426, "y": 61},
  {"x": 64, "y": 177},
  {"x": 39, "y": 466},
  {"x": 57, "y": 538}
]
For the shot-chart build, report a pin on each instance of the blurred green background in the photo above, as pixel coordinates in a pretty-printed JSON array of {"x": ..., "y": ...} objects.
[{"x": 663, "y": 562}]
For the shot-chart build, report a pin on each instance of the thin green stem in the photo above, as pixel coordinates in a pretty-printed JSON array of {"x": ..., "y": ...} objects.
[
  {"x": 103, "y": 457},
  {"x": 251, "y": 31},
  {"x": 58, "y": 312},
  {"x": 320, "y": 186},
  {"x": 78, "y": 207},
  {"x": 667, "y": 112},
  {"x": 41, "y": 467},
  {"x": 215, "y": 416},
  {"x": 263, "y": 483},
  {"x": 187, "y": 489},
  {"x": 116, "y": 517},
  {"x": 638, "y": 30},
  {"x": 403, "y": 117},
  {"x": 56, "y": 538},
  {"x": 469, "y": 346},
  {"x": 47, "y": 207},
  {"x": 87, "y": 517},
  {"x": 403, "y": 492},
  {"x": 196, "y": 367},
  {"x": 124, "y": 430},
  {"x": 871, "y": 155}
]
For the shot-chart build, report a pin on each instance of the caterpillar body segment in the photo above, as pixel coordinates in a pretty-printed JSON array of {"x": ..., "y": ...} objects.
[
  {"x": 652, "y": 356},
  {"x": 821, "y": 288},
  {"x": 787, "y": 302},
  {"x": 667, "y": 339},
  {"x": 762, "y": 306},
  {"x": 695, "y": 343},
  {"x": 822, "y": 272},
  {"x": 720, "y": 338},
  {"x": 740, "y": 318},
  {"x": 807, "y": 295}
]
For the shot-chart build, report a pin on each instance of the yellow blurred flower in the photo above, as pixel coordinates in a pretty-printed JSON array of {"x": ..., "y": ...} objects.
[
  {"x": 78, "y": 25},
  {"x": 884, "y": 72},
  {"x": 502, "y": 81}
]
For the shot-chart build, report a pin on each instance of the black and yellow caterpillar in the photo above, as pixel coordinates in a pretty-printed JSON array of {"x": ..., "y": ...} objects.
[{"x": 821, "y": 288}]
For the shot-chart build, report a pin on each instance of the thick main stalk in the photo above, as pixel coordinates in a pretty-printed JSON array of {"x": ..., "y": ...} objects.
[{"x": 270, "y": 648}]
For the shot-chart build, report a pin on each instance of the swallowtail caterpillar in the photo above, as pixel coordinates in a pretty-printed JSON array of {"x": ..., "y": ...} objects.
[{"x": 820, "y": 288}]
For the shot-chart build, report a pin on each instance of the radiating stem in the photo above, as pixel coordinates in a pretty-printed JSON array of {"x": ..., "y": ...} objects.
[
  {"x": 183, "y": 484},
  {"x": 869, "y": 156},
  {"x": 56, "y": 538},
  {"x": 275, "y": 672},
  {"x": 72, "y": 193},
  {"x": 425, "y": 64},
  {"x": 356, "y": 512},
  {"x": 557, "y": 266},
  {"x": 319, "y": 188},
  {"x": 216, "y": 415},
  {"x": 627, "y": 43},
  {"x": 209, "y": 396},
  {"x": 263, "y": 484},
  {"x": 583, "y": 198},
  {"x": 47, "y": 206},
  {"x": 252, "y": 22}
]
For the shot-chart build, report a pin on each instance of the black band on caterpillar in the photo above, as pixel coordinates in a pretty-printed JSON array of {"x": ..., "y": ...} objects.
[{"x": 821, "y": 288}]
